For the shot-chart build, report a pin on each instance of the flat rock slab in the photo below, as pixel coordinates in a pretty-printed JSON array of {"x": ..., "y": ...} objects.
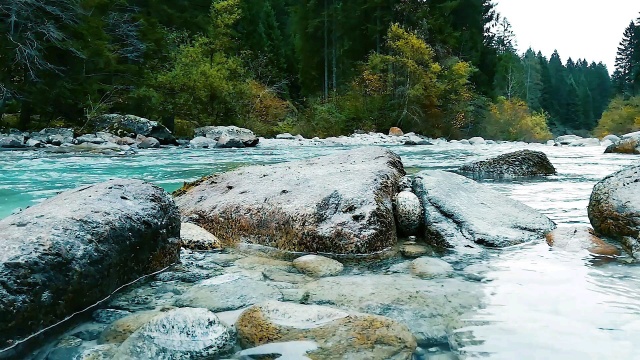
[
  {"x": 340, "y": 203},
  {"x": 460, "y": 212},
  {"x": 614, "y": 208},
  {"x": 68, "y": 252},
  {"x": 318, "y": 266},
  {"x": 338, "y": 334}
]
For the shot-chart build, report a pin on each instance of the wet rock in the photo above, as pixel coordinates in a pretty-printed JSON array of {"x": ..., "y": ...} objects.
[
  {"x": 99, "y": 352},
  {"x": 246, "y": 136},
  {"x": 149, "y": 143},
  {"x": 286, "y": 350},
  {"x": 126, "y": 141},
  {"x": 202, "y": 142},
  {"x": 585, "y": 142},
  {"x": 431, "y": 309},
  {"x": 179, "y": 334},
  {"x": 430, "y": 268},
  {"x": 228, "y": 292},
  {"x": 395, "y": 131},
  {"x": 262, "y": 263},
  {"x": 414, "y": 140},
  {"x": 567, "y": 139},
  {"x": 611, "y": 138},
  {"x": 89, "y": 138},
  {"x": 318, "y": 266},
  {"x": 196, "y": 238},
  {"x": 130, "y": 126},
  {"x": 121, "y": 329},
  {"x": 415, "y": 251},
  {"x": 286, "y": 277},
  {"x": 408, "y": 210},
  {"x": 614, "y": 207},
  {"x": 285, "y": 136},
  {"x": 226, "y": 141},
  {"x": 519, "y": 163},
  {"x": 54, "y": 136},
  {"x": 83, "y": 244},
  {"x": 629, "y": 145},
  {"x": 11, "y": 141},
  {"x": 464, "y": 142},
  {"x": 67, "y": 348},
  {"x": 460, "y": 212},
  {"x": 477, "y": 141},
  {"x": 580, "y": 238},
  {"x": 34, "y": 143},
  {"x": 224, "y": 260},
  {"x": 338, "y": 334},
  {"x": 340, "y": 203},
  {"x": 108, "y": 316}
]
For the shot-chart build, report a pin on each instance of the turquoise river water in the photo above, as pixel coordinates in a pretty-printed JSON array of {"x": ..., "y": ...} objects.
[{"x": 540, "y": 303}]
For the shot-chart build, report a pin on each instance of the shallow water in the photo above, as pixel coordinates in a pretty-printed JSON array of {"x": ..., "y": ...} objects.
[{"x": 540, "y": 303}]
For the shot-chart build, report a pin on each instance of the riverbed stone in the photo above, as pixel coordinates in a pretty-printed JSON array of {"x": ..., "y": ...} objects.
[
  {"x": 395, "y": 131},
  {"x": 228, "y": 292},
  {"x": 431, "y": 309},
  {"x": 120, "y": 330},
  {"x": 614, "y": 207},
  {"x": 340, "y": 203},
  {"x": 630, "y": 145},
  {"x": 227, "y": 141},
  {"x": 408, "y": 210},
  {"x": 318, "y": 266},
  {"x": 246, "y": 136},
  {"x": 83, "y": 244},
  {"x": 338, "y": 334},
  {"x": 11, "y": 141},
  {"x": 149, "y": 143},
  {"x": 477, "y": 141},
  {"x": 186, "y": 334},
  {"x": 580, "y": 238},
  {"x": 514, "y": 164},
  {"x": 413, "y": 250},
  {"x": 430, "y": 268},
  {"x": 202, "y": 142},
  {"x": 461, "y": 213},
  {"x": 196, "y": 238}
]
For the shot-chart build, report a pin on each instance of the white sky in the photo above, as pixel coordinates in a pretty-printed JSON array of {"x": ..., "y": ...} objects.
[{"x": 590, "y": 29}]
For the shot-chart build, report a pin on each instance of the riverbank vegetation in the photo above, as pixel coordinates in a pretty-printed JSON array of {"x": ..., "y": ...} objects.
[
  {"x": 623, "y": 114},
  {"x": 319, "y": 68}
]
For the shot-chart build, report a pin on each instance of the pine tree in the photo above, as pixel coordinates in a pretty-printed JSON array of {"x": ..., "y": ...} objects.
[{"x": 627, "y": 63}]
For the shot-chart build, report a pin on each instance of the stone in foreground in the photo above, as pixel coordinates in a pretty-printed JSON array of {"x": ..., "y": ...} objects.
[
  {"x": 580, "y": 238},
  {"x": 318, "y": 266},
  {"x": 460, "y": 212},
  {"x": 408, "y": 210},
  {"x": 614, "y": 208},
  {"x": 338, "y": 334},
  {"x": 519, "y": 163},
  {"x": 68, "y": 252},
  {"x": 186, "y": 334},
  {"x": 196, "y": 238},
  {"x": 340, "y": 203}
]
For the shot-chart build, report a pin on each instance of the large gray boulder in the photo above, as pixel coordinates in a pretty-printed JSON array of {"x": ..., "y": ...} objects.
[
  {"x": 340, "y": 203},
  {"x": 614, "y": 208},
  {"x": 68, "y": 252},
  {"x": 246, "y": 136},
  {"x": 54, "y": 136},
  {"x": 459, "y": 212},
  {"x": 130, "y": 126},
  {"x": 514, "y": 164}
]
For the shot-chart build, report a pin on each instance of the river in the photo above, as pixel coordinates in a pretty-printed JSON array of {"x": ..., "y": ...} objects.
[{"x": 540, "y": 303}]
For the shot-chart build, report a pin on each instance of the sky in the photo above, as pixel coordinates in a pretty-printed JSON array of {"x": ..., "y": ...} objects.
[{"x": 587, "y": 29}]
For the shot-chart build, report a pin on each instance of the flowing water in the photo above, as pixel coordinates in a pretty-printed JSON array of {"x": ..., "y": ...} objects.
[{"x": 540, "y": 303}]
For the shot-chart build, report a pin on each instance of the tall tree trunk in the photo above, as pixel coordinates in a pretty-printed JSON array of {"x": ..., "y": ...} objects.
[
  {"x": 334, "y": 50},
  {"x": 326, "y": 53}
]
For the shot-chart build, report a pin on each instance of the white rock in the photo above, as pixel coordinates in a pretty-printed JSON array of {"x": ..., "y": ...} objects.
[
  {"x": 196, "y": 238},
  {"x": 477, "y": 141},
  {"x": 430, "y": 268},
  {"x": 408, "y": 211}
]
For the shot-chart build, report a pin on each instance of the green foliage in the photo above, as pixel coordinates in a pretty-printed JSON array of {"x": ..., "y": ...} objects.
[
  {"x": 512, "y": 120},
  {"x": 621, "y": 117}
]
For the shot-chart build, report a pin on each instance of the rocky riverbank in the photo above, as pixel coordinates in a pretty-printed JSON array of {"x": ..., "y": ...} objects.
[{"x": 246, "y": 285}]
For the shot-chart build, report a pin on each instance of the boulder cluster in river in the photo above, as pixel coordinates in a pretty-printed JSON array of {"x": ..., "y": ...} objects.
[{"x": 271, "y": 256}]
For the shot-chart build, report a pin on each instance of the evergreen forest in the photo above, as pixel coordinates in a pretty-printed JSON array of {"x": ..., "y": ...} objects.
[{"x": 442, "y": 68}]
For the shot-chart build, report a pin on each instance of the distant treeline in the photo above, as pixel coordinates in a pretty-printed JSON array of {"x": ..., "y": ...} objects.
[{"x": 318, "y": 67}]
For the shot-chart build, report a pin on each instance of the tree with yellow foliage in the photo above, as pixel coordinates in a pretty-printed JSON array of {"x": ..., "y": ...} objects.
[
  {"x": 621, "y": 117},
  {"x": 512, "y": 120}
]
